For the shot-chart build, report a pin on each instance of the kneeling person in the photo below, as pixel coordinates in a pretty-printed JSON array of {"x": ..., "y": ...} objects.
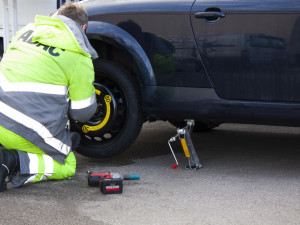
[{"x": 46, "y": 74}]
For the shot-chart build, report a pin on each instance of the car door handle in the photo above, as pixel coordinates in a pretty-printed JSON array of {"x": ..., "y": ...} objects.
[{"x": 209, "y": 15}]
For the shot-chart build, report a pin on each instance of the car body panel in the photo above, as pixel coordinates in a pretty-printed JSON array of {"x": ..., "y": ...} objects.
[
  {"x": 102, "y": 7},
  {"x": 192, "y": 88},
  {"x": 203, "y": 104},
  {"x": 170, "y": 46},
  {"x": 248, "y": 53}
]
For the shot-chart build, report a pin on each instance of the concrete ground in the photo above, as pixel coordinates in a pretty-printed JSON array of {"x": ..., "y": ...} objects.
[{"x": 250, "y": 175}]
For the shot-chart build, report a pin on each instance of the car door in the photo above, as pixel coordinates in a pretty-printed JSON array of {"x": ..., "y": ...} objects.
[{"x": 250, "y": 48}]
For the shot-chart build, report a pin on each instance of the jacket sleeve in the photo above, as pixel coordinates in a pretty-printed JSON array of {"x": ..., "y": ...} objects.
[{"x": 82, "y": 91}]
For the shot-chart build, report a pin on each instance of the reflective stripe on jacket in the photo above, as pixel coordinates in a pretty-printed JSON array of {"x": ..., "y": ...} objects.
[{"x": 47, "y": 65}]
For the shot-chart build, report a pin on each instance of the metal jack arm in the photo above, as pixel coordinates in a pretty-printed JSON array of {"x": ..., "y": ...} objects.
[{"x": 187, "y": 145}]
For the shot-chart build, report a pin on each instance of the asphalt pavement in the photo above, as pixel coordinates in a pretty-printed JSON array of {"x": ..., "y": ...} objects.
[{"x": 250, "y": 175}]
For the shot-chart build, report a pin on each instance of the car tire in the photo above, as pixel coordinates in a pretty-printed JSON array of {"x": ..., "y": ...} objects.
[
  {"x": 118, "y": 120},
  {"x": 198, "y": 127}
]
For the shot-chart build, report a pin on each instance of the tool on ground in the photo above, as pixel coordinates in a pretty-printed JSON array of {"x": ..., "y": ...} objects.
[
  {"x": 109, "y": 183},
  {"x": 184, "y": 135}
]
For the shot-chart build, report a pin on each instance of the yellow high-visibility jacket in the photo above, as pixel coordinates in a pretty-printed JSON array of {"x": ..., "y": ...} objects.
[{"x": 47, "y": 73}]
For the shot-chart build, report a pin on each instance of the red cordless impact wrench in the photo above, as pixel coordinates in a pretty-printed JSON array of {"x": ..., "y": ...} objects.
[{"x": 109, "y": 183}]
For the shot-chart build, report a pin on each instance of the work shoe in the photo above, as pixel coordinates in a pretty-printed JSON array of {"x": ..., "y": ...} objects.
[{"x": 9, "y": 160}]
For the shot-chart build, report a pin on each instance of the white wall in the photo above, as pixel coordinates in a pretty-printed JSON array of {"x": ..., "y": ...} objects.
[{"x": 27, "y": 9}]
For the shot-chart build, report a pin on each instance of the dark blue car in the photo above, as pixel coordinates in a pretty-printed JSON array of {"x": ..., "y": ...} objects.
[{"x": 214, "y": 61}]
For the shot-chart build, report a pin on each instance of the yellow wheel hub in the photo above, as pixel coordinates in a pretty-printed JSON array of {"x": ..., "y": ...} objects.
[{"x": 87, "y": 128}]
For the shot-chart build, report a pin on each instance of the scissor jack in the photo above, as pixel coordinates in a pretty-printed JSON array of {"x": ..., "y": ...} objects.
[{"x": 184, "y": 135}]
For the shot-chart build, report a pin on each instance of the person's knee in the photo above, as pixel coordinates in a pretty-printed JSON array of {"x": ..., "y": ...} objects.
[{"x": 70, "y": 165}]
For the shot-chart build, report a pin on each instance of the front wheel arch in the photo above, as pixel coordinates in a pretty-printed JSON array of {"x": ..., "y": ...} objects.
[{"x": 100, "y": 33}]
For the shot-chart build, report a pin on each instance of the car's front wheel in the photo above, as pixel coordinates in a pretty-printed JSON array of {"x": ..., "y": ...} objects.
[{"x": 118, "y": 119}]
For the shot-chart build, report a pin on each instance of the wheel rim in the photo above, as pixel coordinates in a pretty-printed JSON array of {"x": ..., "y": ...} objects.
[{"x": 108, "y": 121}]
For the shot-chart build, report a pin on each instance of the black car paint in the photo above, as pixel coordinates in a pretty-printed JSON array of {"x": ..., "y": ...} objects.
[
  {"x": 117, "y": 37},
  {"x": 117, "y": 7},
  {"x": 248, "y": 52},
  {"x": 194, "y": 89}
]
